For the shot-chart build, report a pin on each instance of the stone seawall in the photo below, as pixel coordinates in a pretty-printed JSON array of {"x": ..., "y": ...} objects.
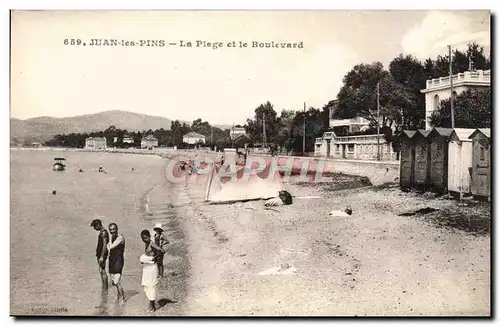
[{"x": 379, "y": 172}]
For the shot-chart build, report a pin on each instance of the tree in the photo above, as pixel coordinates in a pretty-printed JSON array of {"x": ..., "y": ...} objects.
[
  {"x": 472, "y": 109},
  {"x": 201, "y": 127},
  {"x": 358, "y": 96},
  {"x": 314, "y": 128},
  {"x": 460, "y": 63},
  {"x": 410, "y": 78},
  {"x": 285, "y": 124}
]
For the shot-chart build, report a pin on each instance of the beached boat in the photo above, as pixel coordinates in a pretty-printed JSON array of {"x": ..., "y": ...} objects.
[{"x": 59, "y": 165}]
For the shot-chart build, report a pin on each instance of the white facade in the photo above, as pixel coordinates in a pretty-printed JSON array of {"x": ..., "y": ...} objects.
[
  {"x": 128, "y": 140},
  {"x": 149, "y": 141},
  {"x": 95, "y": 142},
  {"x": 193, "y": 138},
  {"x": 364, "y": 147},
  {"x": 438, "y": 89}
]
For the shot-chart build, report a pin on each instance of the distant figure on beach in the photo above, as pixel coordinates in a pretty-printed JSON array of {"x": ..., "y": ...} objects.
[
  {"x": 160, "y": 240},
  {"x": 150, "y": 268},
  {"x": 116, "y": 261},
  {"x": 101, "y": 169},
  {"x": 80, "y": 170},
  {"x": 101, "y": 253}
]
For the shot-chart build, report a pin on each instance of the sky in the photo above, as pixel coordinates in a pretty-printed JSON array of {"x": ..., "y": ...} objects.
[{"x": 223, "y": 85}]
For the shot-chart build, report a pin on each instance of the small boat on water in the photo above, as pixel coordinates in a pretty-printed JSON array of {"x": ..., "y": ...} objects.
[{"x": 59, "y": 165}]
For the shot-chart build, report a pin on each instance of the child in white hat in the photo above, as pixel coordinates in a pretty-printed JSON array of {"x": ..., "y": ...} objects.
[{"x": 160, "y": 240}]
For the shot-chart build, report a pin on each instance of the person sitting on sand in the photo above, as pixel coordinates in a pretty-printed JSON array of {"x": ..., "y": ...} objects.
[
  {"x": 160, "y": 240},
  {"x": 284, "y": 198},
  {"x": 101, "y": 169},
  {"x": 339, "y": 213},
  {"x": 150, "y": 268}
]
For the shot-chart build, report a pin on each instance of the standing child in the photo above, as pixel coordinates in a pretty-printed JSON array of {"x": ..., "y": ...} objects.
[
  {"x": 160, "y": 240},
  {"x": 150, "y": 268}
]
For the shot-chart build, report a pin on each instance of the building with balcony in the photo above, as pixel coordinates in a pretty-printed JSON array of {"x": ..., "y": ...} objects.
[
  {"x": 345, "y": 126},
  {"x": 364, "y": 147},
  {"x": 439, "y": 89},
  {"x": 336, "y": 143}
]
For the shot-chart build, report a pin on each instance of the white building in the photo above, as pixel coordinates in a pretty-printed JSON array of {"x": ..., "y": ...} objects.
[
  {"x": 193, "y": 138},
  {"x": 128, "y": 139},
  {"x": 235, "y": 132},
  {"x": 95, "y": 142},
  {"x": 350, "y": 125},
  {"x": 362, "y": 147},
  {"x": 149, "y": 142},
  {"x": 438, "y": 89}
]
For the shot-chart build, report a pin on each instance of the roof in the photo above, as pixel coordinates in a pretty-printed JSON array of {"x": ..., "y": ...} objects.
[
  {"x": 444, "y": 132},
  {"x": 194, "y": 135},
  {"x": 422, "y": 132},
  {"x": 484, "y": 131},
  {"x": 149, "y": 137},
  {"x": 462, "y": 133},
  {"x": 241, "y": 136},
  {"x": 409, "y": 133}
]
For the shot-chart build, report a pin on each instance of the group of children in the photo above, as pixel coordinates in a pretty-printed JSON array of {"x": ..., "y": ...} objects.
[{"x": 152, "y": 262}]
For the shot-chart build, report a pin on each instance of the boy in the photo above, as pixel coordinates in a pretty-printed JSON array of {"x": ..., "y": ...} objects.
[{"x": 160, "y": 240}]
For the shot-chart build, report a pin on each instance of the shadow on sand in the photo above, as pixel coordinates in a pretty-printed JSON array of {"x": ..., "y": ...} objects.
[{"x": 163, "y": 302}]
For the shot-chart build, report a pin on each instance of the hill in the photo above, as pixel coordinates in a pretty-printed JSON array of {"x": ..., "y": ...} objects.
[{"x": 43, "y": 128}]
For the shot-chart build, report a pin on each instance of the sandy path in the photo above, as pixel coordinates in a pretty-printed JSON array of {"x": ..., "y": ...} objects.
[{"x": 372, "y": 263}]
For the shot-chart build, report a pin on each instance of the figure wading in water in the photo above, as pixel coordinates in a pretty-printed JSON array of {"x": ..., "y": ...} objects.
[{"x": 150, "y": 268}]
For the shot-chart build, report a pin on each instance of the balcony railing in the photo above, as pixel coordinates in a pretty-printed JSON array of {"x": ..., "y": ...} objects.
[{"x": 472, "y": 76}]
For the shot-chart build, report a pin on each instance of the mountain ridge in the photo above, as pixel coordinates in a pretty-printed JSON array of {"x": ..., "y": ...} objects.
[{"x": 43, "y": 128}]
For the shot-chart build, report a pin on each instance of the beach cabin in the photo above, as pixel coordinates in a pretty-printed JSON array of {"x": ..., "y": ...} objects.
[
  {"x": 481, "y": 163},
  {"x": 439, "y": 138},
  {"x": 422, "y": 159},
  {"x": 460, "y": 162},
  {"x": 407, "y": 160}
]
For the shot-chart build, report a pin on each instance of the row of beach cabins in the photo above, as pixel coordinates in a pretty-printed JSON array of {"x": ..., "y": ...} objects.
[{"x": 443, "y": 160}]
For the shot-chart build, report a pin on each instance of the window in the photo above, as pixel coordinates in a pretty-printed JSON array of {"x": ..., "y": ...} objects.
[
  {"x": 482, "y": 154},
  {"x": 350, "y": 148}
]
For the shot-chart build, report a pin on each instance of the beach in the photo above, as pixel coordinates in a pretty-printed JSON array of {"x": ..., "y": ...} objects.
[{"x": 241, "y": 259}]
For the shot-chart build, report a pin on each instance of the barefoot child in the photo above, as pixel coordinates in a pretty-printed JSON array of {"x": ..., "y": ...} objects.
[
  {"x": 160, "y": 240},
  {"x": 150, "y": 268}
]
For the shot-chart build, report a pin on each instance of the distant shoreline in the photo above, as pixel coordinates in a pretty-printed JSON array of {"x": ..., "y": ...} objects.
[{"x": 167, "y": 153}]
